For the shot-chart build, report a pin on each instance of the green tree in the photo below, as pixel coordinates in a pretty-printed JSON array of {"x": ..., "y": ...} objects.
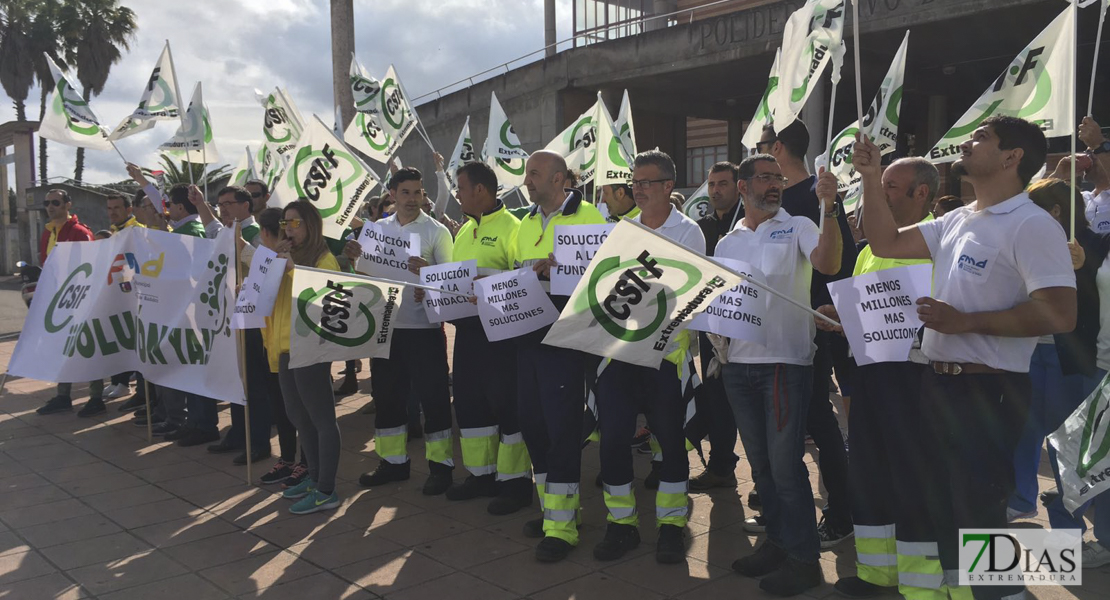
[
  {"x": 95, "y": 31},
  {"x": 47, "y": 41},
  {"x": 177, "y": 171},
  {"x": 17, "y": 73}
]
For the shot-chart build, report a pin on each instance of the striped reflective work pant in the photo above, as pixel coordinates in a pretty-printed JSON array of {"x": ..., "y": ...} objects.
[
  {"x": 486, "y": 405},
  {"x": 895, "y": 540},
  {"x": 624, "y": 391},
  {"x": 417, "y": 365}
]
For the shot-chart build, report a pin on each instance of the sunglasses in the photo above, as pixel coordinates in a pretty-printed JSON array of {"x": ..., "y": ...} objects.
[
  {"x": 53, "y": 203},
  {"x": 290, "y": 223}
]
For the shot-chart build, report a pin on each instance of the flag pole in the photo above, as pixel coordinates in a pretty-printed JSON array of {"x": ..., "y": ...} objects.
[
  {"x": 240, "y": 351},
  {"x": 125, "y": 160},
  {"x": 859, "y": 72},
  {"x": 1094, "y": 66},
  {"x": 828, "y": 145},
  {"x": 180, "y": 105},
  {"x": 149, "y": 415},
  {"x": 1071, "y": 112}
]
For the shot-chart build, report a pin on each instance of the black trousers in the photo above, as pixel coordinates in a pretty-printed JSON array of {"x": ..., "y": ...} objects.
[
  {"x": 626, "y": 390},
  {"x": 973, "y": 423},
  {"x": 417, "y": 366},
  {"x": 714, "y": 416},
  {"x": 551, "y": 397},
  {"x": 484, "y": 380},
  {"x": 822, "y": 426},
  {"x": 257, "y": 395}
]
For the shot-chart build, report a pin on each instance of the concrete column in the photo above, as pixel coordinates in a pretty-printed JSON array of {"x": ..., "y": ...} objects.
[
  {"x": 815, "y": 116},
  {"x": 24, "y": 174},
  {"x": 549, "y": 33},
  {"x": 936, "y": 124},
  {"x": 735, "y": 147},
  {"x": 342, "y": 47},
  {"x": 660, "y": 7},
  {"x": 679, "y": 155}
]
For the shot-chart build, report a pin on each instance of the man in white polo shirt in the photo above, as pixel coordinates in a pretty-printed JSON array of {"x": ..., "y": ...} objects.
[
  {"x": 769, "y": 385},
  {"x": 417, "y": 363},
  {"x": 1002, "y": 278},
  {"x": 624, "y": 390}
]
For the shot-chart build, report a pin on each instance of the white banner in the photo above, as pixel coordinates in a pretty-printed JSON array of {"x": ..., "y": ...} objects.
[
  {"x": 575, "y": 247},
  {"x": 879, "y": 312},
  {"x": 1082, "y": 446},
  {"x": 339, "y": 316},
  {"x": 259, "y": 291},
  {"x": 637, "y": 296},
  {"x": 1037, "y": 86},
  {"x": 512, "y": 304},
  {"x": 69, "y": 119},
  {"x": 454, "y": 277},
  {"x": 143, "y": 300},
  {"x": 159, "y": 100},
  {"x": 738, "y": 312},
  {"x": 386, "y": 250},
  {"x": 809, "y": 38}
]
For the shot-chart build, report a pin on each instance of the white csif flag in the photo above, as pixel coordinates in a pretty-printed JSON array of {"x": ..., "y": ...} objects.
[
  {"x": 1037, "y": 86},
  {"x": 193, "y": 139},
  {"x": 762, "y": 116},
  {"x": 880, "y": 124},
  {"x": 244, "y": 171},
  {"x": 698, "y": 205},
  {"x": 811, "y": 35},
  {"x": 159, "y": 101},
  {"x": 578, "y": 144},
  {"x": 282, "y": 126},
  {"x": 502, "y": 149},
  {"x": 69, "y": 119},
  {"x": 614, "y": 156},
  {"x": 462, "y": 154}
]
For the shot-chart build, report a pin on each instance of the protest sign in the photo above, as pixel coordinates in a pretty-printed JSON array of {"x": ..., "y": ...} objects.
[
  {"x": 339, "y": 316},
  {"x": 259, "y": 291},
  {"x": 454, "y": 277},
  {"x": 879, "y": 313},
  {"x": 738, "y": 312},
  {"x": 512, "y": 304},
  {"x": 575, "y": 247},
  {"x": 386, "y": 250}
]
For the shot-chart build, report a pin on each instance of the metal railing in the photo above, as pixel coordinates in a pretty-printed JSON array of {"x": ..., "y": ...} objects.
[{"x": 438, "y": 93}]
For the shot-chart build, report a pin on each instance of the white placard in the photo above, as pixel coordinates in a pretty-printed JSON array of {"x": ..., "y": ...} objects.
[
  {"x": 259, "y": 292},
  {"x": 386, "y": 250},
  {"x": 575, "y": 247},
  {"x": 739, "y": 312},
  {"x": 512, "y": 304},
  {"x": 455, "y": 277},
  {"x": 879, "y": 311}
]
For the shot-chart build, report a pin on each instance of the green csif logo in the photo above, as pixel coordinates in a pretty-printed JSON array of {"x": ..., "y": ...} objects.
[
  {"x": 1097, "y": 426},
  {"x": 644, "y": 287},
  {"x": 68, "y": 299},
  {"x": 312, "y": 173},
  {"x": 1026, "y": 67},
  {"x": 331, "y": 311}
]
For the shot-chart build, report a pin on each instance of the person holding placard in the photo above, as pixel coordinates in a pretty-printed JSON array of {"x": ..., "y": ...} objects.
[
  {"x": 895, "y": 541},
  {"x": 618, "y": 199},
  {"x": 1003, "y": 277},
  {"x": 550, "y": 380},
  {"x": 493, "y": 448},
  {"x": 417, "y": 363},
  {"x": 768, "y": 385},
  {"x": 624, "y": 390}
]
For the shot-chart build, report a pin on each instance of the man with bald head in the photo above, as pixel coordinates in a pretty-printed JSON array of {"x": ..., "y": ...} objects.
[{"x": 550, "y": 380}]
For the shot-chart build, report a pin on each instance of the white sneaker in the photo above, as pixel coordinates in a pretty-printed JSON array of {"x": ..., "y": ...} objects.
[
  {"x": 118, "y": 390},
  {"x": 1095, "y": 555},
  {"x": 1016, "y": 515}
]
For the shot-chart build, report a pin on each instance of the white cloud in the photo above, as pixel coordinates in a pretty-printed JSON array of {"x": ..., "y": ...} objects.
[{"x": 235, "y": 46}]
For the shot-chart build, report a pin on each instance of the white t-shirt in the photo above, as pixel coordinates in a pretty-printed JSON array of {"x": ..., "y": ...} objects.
[
  {"x": 436, "y": 247},
  {"x": 780, "y": 248},
  {"x": 1102, "y": 280},
  {"x": 681, "y": 230},
  {"x": 1098, "y": 211},
  {"x": 991, "y": 260}
]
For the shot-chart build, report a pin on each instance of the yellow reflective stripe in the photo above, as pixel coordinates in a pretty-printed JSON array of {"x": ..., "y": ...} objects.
[
  {"x": 479, "y": 450},
  {"x": 560, "y": 512},
  {"x": 390, "y": 444},
  {"x": 541, "y": 481},
  {"x": 513, "y": 461},
  {"x": 672, "y": 504},
  {"x": 882, "y": 576},
  {"x": 437, "y": 447},
  {"x": 621, "y": 502}
]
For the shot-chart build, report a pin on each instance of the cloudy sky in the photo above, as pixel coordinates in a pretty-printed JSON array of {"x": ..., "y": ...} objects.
[{"x": 236, "y": 46}]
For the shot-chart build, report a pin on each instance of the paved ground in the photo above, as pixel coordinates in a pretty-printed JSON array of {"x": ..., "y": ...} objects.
[{"x": 88, "y": 509}]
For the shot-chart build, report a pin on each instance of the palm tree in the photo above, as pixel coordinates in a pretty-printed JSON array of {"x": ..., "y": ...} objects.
[
  {"x": 95, "y": 32},
  {"x": 177, "y": 171},
  {"x": 17, "y": 73}
]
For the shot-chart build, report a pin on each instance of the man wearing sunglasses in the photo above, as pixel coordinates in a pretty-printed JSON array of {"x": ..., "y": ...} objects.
[
  {"x": 61, "y": 226},
  {"x": 260, "y": 195}
]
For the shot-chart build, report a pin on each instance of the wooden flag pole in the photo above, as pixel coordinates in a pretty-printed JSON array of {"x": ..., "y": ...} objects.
[
  {"x": 149, "y": 414},
  {"x": 181, "y": 108},
  {"x": 240, "y": 351},
  {"x": 1094, "y": 65},
  {"x": 1071, "y": 111}
]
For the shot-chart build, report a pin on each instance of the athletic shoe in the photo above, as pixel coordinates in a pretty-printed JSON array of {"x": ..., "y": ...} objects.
[
  {"x": 831, "y": 536},
  {"x": 670, "y": 548},
  {"x": 300, "y": 490},
  {"x": 386, "y": 472},
  {"x": 643, "y": 435},
  {"x": 300, "y": 473},
  {"x": 756, "y": 524},
  {"x": 708, "y": 480},
  {"x": 315, "y": 501},
  {"x": 278, "y": 473},
  {"x": 1017, "y": 515},
  {"x": 132, "y": 404},
  {"x": 552, "y": 549},
  {"x": 854, "y": 587},
  {"x": 767, "y": 558},
  {"x": 94, "y": 406},
  {"x": 792, "y": 578},
  {"x": 619, "y": 540},
  {"x": 55, "y": 405},
  {"x": 1095, "y": 555},
  {"x": 118, "y": 390}
]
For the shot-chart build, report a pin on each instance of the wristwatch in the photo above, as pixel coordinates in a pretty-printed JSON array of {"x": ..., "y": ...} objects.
[{"x": 1104, "y": 147}]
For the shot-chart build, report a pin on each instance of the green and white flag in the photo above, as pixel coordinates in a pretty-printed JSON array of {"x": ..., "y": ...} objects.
[
  {"x": 365, "y": 132},
  {"x": 624, "y": 126},
  {"x": 1037, "y": 86},
  {"x": 69, "y": 119},
  {"x": 808, "y": 40},
  {"x": 762, "y": 116},
  {"x": 880, "y": 124},
  {"x": 637, "y": 296},
  {"x": 327, "y": 174},
  {"x": 281, "y": 127},
  {"x": 1082, "y": 446},
  {"x": 159, "y": 101},
  {"x": 244, "y": 171},
  {"x": 614, "y": 158},
  {"x": 462, "y": 154},
  {"x": 698, "y": 205},
  {"x": 366, "y": 90},
  {"x": 340, "y": 316},
  {"x": 502, "y": 150},
  {"x": 397, "y": 118},
  {"x": 193, "y": 139},
  {"x": 578, "y": 144}
]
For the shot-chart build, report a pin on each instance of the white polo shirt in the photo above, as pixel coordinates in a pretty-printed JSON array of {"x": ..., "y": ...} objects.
[
  {"x": 436, "y": 247},
  {"x": 779, "y": 248},
  {"x": 991, "y": 260},
  {"x": 1098, "y": 211},
  {"x": 681, "y": 230}
]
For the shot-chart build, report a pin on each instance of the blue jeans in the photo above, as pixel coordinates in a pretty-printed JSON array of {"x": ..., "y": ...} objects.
[
  {"x": 1055, "y": 396},
  {"x": 770, "y": 403}
]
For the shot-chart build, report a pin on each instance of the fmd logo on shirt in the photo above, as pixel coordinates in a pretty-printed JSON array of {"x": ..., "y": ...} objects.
[
  {"x": 969, "y": 264},
  {"x": 782, "y": 235},
  {"x": 489, "y": 240}
]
